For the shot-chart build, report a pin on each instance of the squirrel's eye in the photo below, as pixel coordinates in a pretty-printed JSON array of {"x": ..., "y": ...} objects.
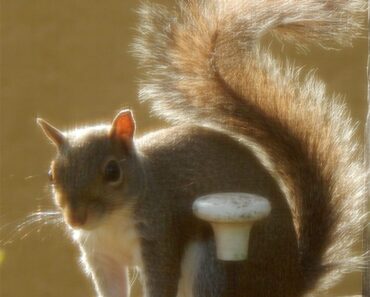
[
  {"x": 112, "y": 171},
  {"x": 51, "y": 176}
]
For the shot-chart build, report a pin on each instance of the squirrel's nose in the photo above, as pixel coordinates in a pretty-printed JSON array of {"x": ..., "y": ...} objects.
[{"x": 76, "y": 218}]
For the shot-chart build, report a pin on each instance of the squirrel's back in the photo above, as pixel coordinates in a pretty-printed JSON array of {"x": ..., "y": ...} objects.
[{"x": 205, "y": 64}]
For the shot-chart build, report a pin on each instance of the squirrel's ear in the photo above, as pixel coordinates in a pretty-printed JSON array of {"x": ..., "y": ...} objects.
[
  {"x": 123, "y": 125},
  {"x": 51, "y": 132}
]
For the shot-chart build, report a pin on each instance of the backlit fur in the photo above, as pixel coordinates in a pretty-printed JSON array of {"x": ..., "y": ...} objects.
[{"x": 204, "y": 64}]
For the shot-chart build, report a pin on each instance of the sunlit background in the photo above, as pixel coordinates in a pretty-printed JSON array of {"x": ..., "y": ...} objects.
[{"x": 69, "y": 62}]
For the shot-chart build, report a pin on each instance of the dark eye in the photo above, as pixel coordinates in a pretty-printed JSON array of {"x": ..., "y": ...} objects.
[
  {"x": 112, "y": 171},
  {"x": 51, "y": 176}
]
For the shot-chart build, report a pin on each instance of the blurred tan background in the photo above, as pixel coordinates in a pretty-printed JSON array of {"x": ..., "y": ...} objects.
[{"x": 68, "y": 62}]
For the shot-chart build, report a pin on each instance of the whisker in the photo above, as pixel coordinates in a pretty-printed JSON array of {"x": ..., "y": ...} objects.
[
  {"x": 32, "y": 176},
  {"x": 33, "y": 222},
  {"x": 134, "y": 277},
  {"x": 86, "y": 239}
]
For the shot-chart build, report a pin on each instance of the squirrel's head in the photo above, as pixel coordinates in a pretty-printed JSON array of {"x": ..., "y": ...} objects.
[{"x": 95, "y": 171}]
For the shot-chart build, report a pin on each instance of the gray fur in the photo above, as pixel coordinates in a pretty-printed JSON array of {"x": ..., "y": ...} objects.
[{"x": 204, "y": 65}]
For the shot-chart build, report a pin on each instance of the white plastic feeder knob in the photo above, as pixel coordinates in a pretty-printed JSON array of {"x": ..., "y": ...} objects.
[{"x": 231, "y": 216}]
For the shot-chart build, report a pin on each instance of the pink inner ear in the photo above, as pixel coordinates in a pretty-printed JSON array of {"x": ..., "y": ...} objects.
[{"x": 123, "y": 125}]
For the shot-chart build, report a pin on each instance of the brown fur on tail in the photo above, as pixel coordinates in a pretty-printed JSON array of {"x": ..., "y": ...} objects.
[{"x": 204, "y": 63}]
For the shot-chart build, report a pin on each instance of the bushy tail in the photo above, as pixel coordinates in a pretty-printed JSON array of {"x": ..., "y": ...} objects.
[{"x": 204, "y": 64}]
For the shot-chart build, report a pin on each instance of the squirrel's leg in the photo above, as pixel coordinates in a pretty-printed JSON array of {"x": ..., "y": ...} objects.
[
  {"x": 210, "y": 277},
  {"x": 161, "y": 267},
  {"x": 109, "y": 276}
]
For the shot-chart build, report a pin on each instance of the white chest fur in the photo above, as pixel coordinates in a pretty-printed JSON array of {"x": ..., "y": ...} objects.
[
  {"x": 116, "y": 237},
  {"x": 108, "y": 250}
]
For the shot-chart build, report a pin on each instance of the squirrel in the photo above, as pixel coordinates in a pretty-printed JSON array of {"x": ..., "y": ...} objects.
[{"x": 241, "y": 122}]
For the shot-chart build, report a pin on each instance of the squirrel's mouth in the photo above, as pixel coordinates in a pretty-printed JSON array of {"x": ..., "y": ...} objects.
[{"x": 81, "y": 218}]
